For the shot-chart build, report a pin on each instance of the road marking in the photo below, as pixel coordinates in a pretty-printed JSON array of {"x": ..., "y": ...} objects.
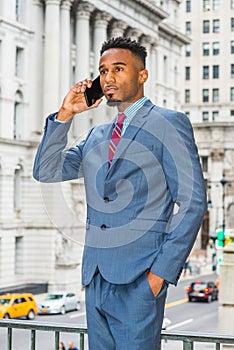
[
  {"x": 78, "y": 315},
  {"x": 179, "y": 324},
  {"x": 177, "y": 302}
]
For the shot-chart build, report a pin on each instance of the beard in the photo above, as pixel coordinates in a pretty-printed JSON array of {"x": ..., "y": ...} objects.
[{"x": 113, "y": 102}]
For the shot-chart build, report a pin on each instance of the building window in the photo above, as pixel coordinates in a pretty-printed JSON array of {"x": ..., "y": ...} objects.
[
  {"x": 17, "y": 187},
  {"x": 206, "y": 49},
  {"x": 204, "y": 162},
  {"x": 216, "y": 5},
  {"x": 206, "y": 26},
  {"x": 19, "y": 10},
  {"x": 232, "y": 70},
  {"x": 19, "y": 62},
  {"x": 206, "y": 5},
  {"x": 215, "y": 115},
  {"x": 232, "y": 94},
  {"x": 216, "y": 72},
  {"x": 187, "y": 73},
  {"x": 188, "y": 114},
  {"x": 205, "y": 116},
  {"x": 17, "y": 115},
  {"x": 216, "y": 26},
  {"x": 205, "y": 74},
  {"x": 215, "y": 95},
  {"x": 232, "y": 4},
  {"x": 232, "y": 24},
  {"x": 188, "y": 28},
  {"x": 165, "y": 70},
  {"x": 205, "y": 95},
  {"x": 19, "y": 256},
  {"x": 188, "y": 5},
  {"x": 232, "y": 113},
  {"x": 175, "y": 76},
  {"x": 215, "y": 48},
  {"x": 232, "y": 46},
  {"x": 188, "y": 50},
  {"x": 187, "y": 96}
]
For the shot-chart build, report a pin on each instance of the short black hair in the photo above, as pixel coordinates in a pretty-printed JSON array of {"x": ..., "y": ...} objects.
[{"x": 125, "y": 43}]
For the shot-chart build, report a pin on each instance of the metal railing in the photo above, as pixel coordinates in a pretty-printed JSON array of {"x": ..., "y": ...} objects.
[{"x": 187, "y": 339}]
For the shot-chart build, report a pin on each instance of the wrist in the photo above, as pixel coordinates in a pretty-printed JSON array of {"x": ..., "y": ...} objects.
[{"x": 64, "y": 115}]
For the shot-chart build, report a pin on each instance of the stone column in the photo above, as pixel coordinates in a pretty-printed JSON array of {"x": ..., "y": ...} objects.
[
  {"x": 100, "y": 35},
  {"x": 36, "y": 67},
  {"x": 82, "y": 40},
  {"x": 134, "y": 34},
  {"x": 65, "y": 48},
  {"x": 226, "y": 295},
  {"x": 82, "y": 59},
  {"x": 117, "y": 28},
  {"x": 51, "y": 57},
  {"x": 147, "y": 41},
  {"x": 153, "y": 73}
]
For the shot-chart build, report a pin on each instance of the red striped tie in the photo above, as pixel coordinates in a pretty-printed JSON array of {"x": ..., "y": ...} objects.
[{"x": 115, "y": 138}]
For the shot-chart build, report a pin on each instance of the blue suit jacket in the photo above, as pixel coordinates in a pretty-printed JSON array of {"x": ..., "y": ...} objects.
[{"x": 132, "y": 221}]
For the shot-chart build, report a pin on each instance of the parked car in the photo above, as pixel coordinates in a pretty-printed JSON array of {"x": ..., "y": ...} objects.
[
  {"x": 18, "y": 305},
  {"x": 59, "y": 303},
  {"x": 199, "y": 290}
]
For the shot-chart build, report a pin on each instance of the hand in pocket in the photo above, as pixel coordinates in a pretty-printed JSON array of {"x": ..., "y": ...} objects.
[{"x": 155, "y": 282}]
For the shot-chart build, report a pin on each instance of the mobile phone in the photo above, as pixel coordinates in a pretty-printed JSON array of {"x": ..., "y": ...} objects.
[{"x": 94, "y": 93}]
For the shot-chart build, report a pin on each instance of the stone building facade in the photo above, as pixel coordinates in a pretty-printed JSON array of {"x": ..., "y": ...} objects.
[
  {"x": 45, "y": 46},
  {"x": 208, "y": 89}
]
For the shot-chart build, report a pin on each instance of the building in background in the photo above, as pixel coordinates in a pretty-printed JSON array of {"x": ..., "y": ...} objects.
[
  {"x": 46, "y": 46},
  {"x": 208, "y": 88}
]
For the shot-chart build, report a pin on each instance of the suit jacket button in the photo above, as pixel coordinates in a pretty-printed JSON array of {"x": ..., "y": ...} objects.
[
  {"x": 106, "y": 199},
  {"x": 103, "y": 227}
]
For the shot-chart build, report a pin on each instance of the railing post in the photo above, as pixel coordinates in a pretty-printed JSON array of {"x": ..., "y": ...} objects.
[
  {"x": 9, "y": 340},
  {"x": 187, "y": 345},
  {"x": 81, "y": 341},
  {"x": 218, "y": 346},
  {"x": 56, "y": 340},
  {"x": 33, "y": 339}
]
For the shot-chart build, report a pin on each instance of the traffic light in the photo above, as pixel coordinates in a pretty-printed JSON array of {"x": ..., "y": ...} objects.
[
  {"x": 223, "y": 239},
  {"x": 220, "y": 238}
]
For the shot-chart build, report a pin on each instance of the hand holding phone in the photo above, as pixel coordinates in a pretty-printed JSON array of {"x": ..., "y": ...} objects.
[{"x": 93, "y": 93}]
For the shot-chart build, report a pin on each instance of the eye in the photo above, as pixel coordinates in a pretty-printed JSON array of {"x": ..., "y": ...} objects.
[
  {"x": 119, "y": 69},
  {"x": 103, "y": 71}
]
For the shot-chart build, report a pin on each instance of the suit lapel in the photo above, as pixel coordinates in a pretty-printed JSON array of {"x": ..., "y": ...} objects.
[{"x": 134, "y": 127}]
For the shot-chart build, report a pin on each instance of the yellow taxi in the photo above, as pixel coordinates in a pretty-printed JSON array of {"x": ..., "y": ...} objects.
[{"x": 18, "y": 305}]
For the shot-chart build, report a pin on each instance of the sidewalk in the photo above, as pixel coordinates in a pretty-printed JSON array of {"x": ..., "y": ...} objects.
[{"x": 201, "y": 265}]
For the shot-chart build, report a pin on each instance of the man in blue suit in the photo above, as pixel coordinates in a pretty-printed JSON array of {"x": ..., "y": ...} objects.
[{"x": 145, "y": 199}]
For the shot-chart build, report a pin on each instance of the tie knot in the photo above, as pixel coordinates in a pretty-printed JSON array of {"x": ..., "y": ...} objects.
[{"x": 121, "y": 117}]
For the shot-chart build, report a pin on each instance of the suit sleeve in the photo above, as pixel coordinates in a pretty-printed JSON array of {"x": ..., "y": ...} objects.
[
  {"x": 184, "y": 178},
  {"x": 52, "y": 162}
]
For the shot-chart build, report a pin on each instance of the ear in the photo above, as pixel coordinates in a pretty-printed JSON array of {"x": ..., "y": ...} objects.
[{"x": 143, "y": 76}]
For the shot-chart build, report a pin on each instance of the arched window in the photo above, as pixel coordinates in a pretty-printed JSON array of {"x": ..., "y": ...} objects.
[
  {"x": 17, "y": 187},
  {"x": 17, "y": 126}
]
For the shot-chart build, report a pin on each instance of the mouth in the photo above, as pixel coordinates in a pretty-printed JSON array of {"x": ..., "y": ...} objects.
[{"x": 110, "y": 90}]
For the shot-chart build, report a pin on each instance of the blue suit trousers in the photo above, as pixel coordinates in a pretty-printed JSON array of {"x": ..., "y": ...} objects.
[{"x": 124, "y": 316}]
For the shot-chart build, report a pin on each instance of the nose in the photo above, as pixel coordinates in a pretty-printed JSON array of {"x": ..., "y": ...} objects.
[{"x": 109, "y": 77}]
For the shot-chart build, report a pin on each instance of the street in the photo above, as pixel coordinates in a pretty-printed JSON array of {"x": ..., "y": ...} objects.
[{"x": 193, "y": 317}]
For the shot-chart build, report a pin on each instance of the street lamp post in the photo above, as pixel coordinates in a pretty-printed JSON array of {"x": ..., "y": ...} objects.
[{"x": 223, "y": 182}]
